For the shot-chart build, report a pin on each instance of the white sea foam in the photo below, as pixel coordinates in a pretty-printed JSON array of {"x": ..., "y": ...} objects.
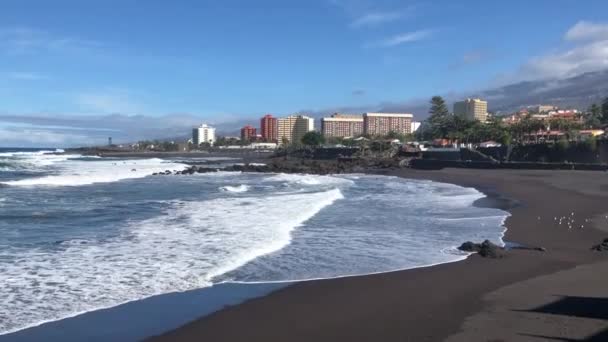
[
  {"x": 240, "y": 188},
  {"x": 183, "y": 249},
  {"x": 31, "y": 161},
  {"x": 77, "y": 172},
  {"x": 306, "y": 179}
]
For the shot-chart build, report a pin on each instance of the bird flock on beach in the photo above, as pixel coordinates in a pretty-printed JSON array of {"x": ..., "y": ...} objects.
[{"x": 570, "y": 221}]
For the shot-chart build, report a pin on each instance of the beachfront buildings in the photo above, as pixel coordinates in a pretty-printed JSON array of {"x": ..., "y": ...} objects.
[
  {"x": 472, "y": 109},
  {"x": 269, "y": 128},
  {"x": 342, "y": 126},
  {"x": 292, "y": 128},
  {"x": 383, "y": 123},
  {"x": 203, "y": 135},
  {"x": 248, "y": 133},
  {"x": 415, "y": 126},
  {"x": 540, "y": 109}
]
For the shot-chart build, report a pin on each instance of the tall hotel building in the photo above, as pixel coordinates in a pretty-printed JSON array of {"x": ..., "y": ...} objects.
[
  {"x": 342, "y": 126},
  {"x": 383, "y": 123},
  {"x": 203, "y": 134},
  {"x": 472, "y": 109},
  {"x": 248, "y": 133},
  {"x": 269, "y": 128},
  {"x": 293, "y": 128}
]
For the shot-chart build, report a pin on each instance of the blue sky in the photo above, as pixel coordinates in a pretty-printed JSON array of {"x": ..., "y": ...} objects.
[{"x": 223, "y": 61}]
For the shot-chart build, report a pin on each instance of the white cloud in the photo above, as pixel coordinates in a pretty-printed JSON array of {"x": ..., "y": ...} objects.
[
  {"x": 585, "y": 30},
  {"x": 25, "y": 75},
  {"x": 60, "y": 130},
  {"x": 376, "y": 18},
  {"x": 25, "y": 40},
  {"x": 108, "y": 101},
  {"x": 587, "y": 51},
  {"x": 18, "y": 136},
  {"x": 408, "y": 37},
  {"x": 575, "y": 61}
]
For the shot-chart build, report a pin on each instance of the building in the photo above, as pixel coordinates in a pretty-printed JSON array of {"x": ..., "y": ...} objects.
[
  {"x": 543, "y": 109},
  {"x": 415, "y": 126},
  {"x": 203, "y": 134},
  {"x": 269, "y": 128},
  {"x": 292, "y": 128},
  {"x": 342, "y": 126},
  {"x": 248, "y": 133},
  {"x": 472, "y": 109},
  {"x": 383, "y": 123}
]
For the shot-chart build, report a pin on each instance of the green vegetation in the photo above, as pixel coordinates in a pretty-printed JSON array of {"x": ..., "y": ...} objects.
[
  {"x": 442, "y": 125},
  {"x": 604, "y": 119},
  {"x": 593, "y": 117},
  {"x": 229, "y": 141},
  {"x": 313, "y": 138},
  {"x": 157, "y": 145}
]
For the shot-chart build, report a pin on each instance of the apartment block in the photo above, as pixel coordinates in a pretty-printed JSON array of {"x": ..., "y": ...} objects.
[
  {"x": 248, "y": 133},
  {"x": 293, "y": 128},
  {"x": 269, "y": 128},
  {"x": 383, "y": 123},
  {"x": 203, "y": 134},
  {"x": 342, "y": 126},
  {"x": 472, "y": 109}
]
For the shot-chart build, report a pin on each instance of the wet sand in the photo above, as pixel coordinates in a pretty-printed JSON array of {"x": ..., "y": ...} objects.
[{"x": 510, "y": 299}]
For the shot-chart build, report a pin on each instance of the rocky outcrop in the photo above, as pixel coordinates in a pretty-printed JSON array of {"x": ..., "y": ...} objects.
[
  {"x": 299, "y": 165},
  {"x": 485, "y": 249}
]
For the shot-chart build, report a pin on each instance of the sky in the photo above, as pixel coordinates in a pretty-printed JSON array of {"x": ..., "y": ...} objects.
[{"x": 73, "y": 72}]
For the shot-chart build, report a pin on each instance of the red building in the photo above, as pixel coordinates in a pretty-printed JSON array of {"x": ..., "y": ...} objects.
[
  {"x": 270, "y": 128},
  {"x": 248, "y": 133}
]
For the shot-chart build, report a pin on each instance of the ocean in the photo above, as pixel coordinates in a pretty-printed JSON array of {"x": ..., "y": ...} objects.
[{"x": 80, "y": 234}]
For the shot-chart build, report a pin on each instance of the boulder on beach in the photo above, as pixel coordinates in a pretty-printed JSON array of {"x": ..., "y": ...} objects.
[
  {"x": 485, "y": 249},
  {"x": 602, "y": 247}
]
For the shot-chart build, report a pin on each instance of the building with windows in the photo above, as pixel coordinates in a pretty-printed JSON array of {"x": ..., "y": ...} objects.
[
  {"x": 269, "y": 128},
  {"x": 342, "y": 126},
  {"x": 540, "y": 109},
  {"x": 203, "y": 134},
  {"x": 472, "y": 109},
  {"x": 248, "y": 133},
  {"x": 383, "y": 123},
  {"x": 292, "y": 128},
  {"x": 415, "y": 125}
]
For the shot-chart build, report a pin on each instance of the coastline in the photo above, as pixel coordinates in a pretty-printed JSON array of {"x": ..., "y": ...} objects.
[{"x": 409, "y": 304}]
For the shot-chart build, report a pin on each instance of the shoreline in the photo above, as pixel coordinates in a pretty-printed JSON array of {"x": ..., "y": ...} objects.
[
  {"x": 48, "y": 326},
  {"x": 284, "y": 300},
  {"x": 37, "y": 329}
]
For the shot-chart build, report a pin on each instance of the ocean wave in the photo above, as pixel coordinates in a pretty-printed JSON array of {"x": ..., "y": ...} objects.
[
  {"x": 77, "y": 173},
  {"x": 240, "y": 188},
  {"x": 179, "y": 250}
]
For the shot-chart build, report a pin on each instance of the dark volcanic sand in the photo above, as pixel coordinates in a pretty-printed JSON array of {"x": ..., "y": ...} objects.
[{"x": 477, "y": 299}]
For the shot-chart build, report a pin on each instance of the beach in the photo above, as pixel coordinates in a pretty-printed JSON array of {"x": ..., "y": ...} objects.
[{"x": 509, "y": 299}]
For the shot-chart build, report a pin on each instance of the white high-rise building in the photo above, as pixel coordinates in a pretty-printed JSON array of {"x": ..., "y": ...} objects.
[{"x": 203, "y": 134}]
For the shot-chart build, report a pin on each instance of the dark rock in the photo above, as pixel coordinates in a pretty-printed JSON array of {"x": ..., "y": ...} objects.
[
  {"x": 490, "y": 250},
  {"x": 470, "y": 247},
  {"x": 602, "y": 247},
  {"x": 485, "y": 249}
]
